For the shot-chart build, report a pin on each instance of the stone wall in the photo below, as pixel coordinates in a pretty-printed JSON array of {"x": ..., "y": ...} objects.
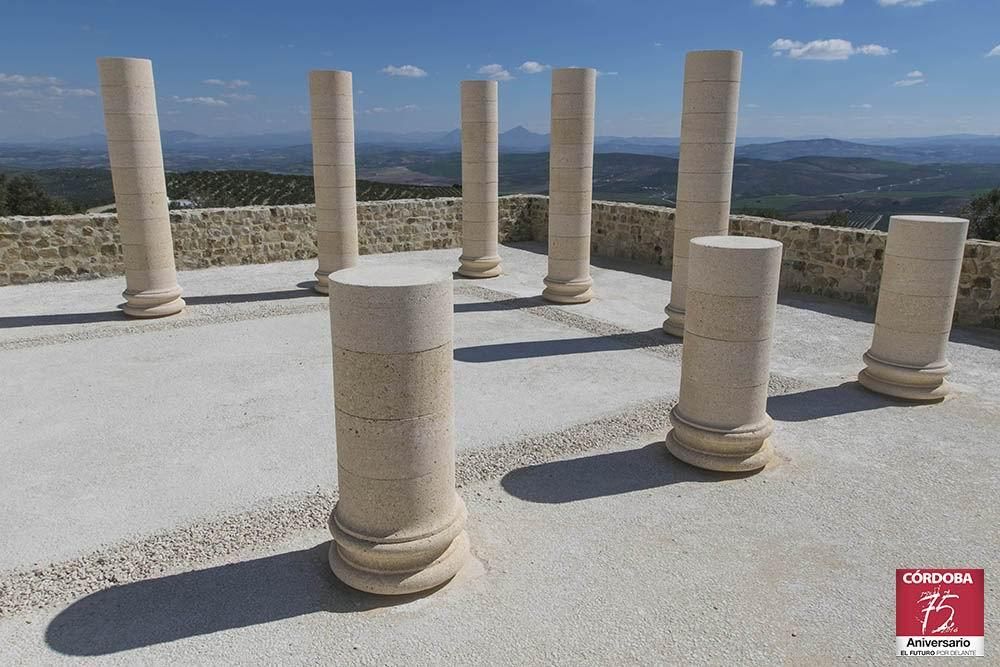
[
  {"x": 834, "y": 262},
  {"x": 75, "y": 247}
]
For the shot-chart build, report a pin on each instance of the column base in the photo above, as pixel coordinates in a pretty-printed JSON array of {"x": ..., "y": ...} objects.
[
  {"x": 479, "y": 267},
  {"x": 399, "y": 568},
  {"x": 674, "y": 324},
  {"x": 926, "y": 384},
  {"x": 739, "y": 450},
  {"x": 322, "y": 282},
  {"x": 149, "y": 303},
  {"x": 561, "y": 291}
]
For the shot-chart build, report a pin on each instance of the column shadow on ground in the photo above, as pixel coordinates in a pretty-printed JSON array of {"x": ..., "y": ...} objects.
[
  {"x": 514, "y": 303},
  {"x": 477, "y": 354},
  {"x": 824, "y": 402},
  {"x": 251, "y": 297},
  {"x": 19, "y": 321},
  {"x": 237, "y": 595},
  {"x": 609, "y": 474}
]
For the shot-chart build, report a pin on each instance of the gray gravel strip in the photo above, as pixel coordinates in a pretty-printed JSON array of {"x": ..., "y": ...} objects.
[{"x": 279, "y": 518}]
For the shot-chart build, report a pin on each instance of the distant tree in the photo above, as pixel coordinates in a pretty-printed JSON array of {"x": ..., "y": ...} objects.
[
  {"x": 983, "y": 213},
  {"x": 771, "y": 213},
  {"x": 4, "y": 208},
  {"x": 23, "y": 195},
  {"x": 837, "y": 219}
]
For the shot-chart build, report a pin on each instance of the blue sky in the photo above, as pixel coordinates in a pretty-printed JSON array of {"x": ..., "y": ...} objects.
[{"x": 858, "y": 68}]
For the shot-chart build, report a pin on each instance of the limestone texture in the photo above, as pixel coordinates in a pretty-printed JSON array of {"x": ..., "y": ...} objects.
[
  {"x": 480, "y": 181},
  {"x": 571, "y": 163},
  {"x": 705, "y": 172},
  {"x": 916, "y": 305},
  {"x": 332, "y": 100},
  {"x": 720, "y": 421},
  {"x": 398, "y": 526},
  {"x": 133, "y": 132}
]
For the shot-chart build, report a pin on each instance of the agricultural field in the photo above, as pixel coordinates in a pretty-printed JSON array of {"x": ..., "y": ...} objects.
[{"x": 86, "y": 189}]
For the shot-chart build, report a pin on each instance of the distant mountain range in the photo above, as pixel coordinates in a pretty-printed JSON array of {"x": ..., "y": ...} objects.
[{"x": 956, "y": 149}]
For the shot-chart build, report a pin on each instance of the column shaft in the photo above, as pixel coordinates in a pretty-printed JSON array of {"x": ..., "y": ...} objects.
[
  {"x": 705, "y": 171},
  {"x": 571, "y": 166},
  {"x": 332, "y": 99},
  {"x": 133, "y": 129},
  {"x": 916, "y": 302},
  {"x": 480, "y": 180},
  {"x": 398, "y": 526},
  {"x": 720, "y": 421}
]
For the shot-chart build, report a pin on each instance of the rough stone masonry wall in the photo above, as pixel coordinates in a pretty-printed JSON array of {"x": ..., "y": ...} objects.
[
  {"x": 835, "y": 262},
  {"x": 840, "y": 263},
  {"x": 74, "y": 247}
]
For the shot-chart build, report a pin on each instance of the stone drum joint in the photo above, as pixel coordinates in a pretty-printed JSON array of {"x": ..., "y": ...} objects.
[
  {"x": 705, "y": 170},
  {"x": 140, "y": 186},
  {"x": 331, "y": 97},
  {"x": 720, "y": 421},
  {"x": 480, "y": 181},
  {"x": 399, "y": 525},
  {"x": 571, "y": 168},
  {"x": 916, "y": 303}
]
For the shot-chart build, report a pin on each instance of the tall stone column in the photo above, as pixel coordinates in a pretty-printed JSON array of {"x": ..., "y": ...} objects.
[
  {"x": 705, "y": 173},
  {"x": 332, "y": 99},
  {"x": 720, "y": 421},
  {"x": 571, "y": 176},
  {"x": 480, "y": 181},
  {"x": 399, "y": 525},
  {"x": 916, "y": 302},
  {"x": 133, "y": 129}
]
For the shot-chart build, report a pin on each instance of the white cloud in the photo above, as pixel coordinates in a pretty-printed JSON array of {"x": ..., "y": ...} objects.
[
  {"x": 22, "y": 80},
  {"x": 240, "y": 97},
  {"x": 404, "y": 70},
  {"x": 765, "y": 3},
  {"x": 824, "y": 3},
  {"x": 533, "y": 67},
  {"x": 602, "y": 73},
  {"x": 232, "y": 83},
  {"x": 753, "y": 106},
  {"x": 495, "y": 72},
  {"x": 402, "y": 109},
  {"x": 914, "y": 78},
  {"x": 657, "y": 44},
  {"x": 71, "y": 92},
  {"x": 826, "y": 49},
  {"x": 861, "y": 106},
  {"x": 201, "y": 101},
  {"x": 23, "y": 93},
  {"x": 995, "y": 52},
  {"x": 904, "y": 3}
]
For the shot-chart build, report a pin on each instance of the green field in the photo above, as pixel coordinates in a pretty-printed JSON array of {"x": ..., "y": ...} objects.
[{"x": 91, "y": 188}]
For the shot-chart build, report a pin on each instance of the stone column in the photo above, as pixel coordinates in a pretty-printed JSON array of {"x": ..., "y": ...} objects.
[
  {"x": 332, "y": 99},
  {"x": 151, "y": 288},
  {"x": 399, "y": 525},
  {"x": 916, "y": 301},
  {"x": 571, "y": 176},
  {"x": 480, "y": 181},
  {"x": 705, "y": 172},
  {"x": 720, "y": 421}
]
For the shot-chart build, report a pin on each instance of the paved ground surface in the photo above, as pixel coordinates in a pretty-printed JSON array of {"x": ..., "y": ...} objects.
[{"x": 165, "y": 484}]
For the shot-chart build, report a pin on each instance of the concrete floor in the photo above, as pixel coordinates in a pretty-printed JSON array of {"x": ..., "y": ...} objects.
[{"x": 165, "y": 483}]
